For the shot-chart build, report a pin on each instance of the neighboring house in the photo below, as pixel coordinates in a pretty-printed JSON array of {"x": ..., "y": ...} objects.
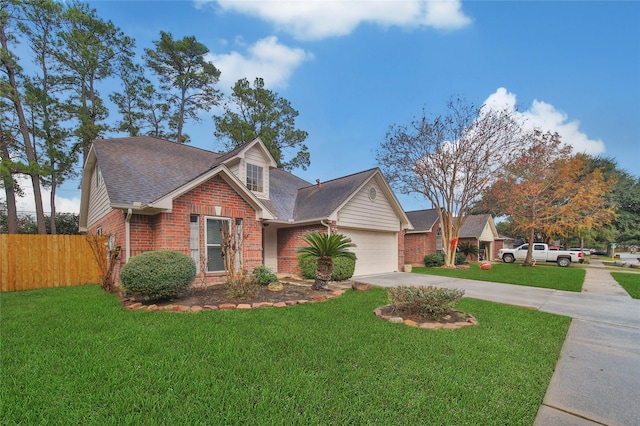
[
  {"x": 426, "y": 238},
  {"x": 152, "y": 194}
]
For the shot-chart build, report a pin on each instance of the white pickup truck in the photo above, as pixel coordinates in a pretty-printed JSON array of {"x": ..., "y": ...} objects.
[{"x": 541, "y": 253}]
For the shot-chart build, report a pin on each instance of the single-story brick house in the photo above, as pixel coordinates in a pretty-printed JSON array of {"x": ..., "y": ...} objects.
[
  {"x": 425, "y": 237},
  {"x": 153, "y": 194}
]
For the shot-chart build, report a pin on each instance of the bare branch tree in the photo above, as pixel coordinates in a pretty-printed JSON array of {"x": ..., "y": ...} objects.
[{"x": 449, "y": 159}]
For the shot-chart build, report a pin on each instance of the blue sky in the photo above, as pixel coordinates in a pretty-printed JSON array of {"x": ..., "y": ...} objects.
[{"x": 353, "y": 68}]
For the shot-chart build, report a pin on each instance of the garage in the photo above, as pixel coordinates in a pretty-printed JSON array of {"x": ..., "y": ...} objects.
[{"x": 377, "y": 251}]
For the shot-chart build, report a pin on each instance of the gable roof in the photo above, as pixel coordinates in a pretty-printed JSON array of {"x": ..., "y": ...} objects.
[
  {"x": 474, "y": 225},
  {"x": 423, "y": 220},
  {"x": 323, "y": 199},
  {"x": 144, "y": 168},
  {"x": 146, "y": 173}
]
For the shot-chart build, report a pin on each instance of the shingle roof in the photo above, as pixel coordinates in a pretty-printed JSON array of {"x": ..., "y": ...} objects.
[
  {"x": 423, "y": 220},
  {"x": 146, "y": 168},
  {"x": 319, "y": 201},
  {"x": 474, "y": 225},
  {"x": 283, "y": 191}
]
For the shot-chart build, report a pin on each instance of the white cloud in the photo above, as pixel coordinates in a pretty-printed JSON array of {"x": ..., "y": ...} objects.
[
  {"x": 267, "y": 58},
  {"x": 546, "y": 117},
  {"x": 26, "y": 204},
  {"x": 319, "y": 19}
]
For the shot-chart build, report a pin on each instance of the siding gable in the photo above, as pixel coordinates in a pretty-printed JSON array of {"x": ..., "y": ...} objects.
[
  {"x": 365, "y": 213},
  {"x": 99, "y": 204},
  {"x": 255, "y": 156}
]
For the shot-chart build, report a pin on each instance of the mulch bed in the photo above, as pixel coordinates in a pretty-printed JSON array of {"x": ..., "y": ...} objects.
[
  {"x": 217, "y": 297},
  {"x": 453, "y": 319}
]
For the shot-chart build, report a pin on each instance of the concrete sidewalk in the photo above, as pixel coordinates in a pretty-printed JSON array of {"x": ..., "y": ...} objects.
[{"x": 597, "y": 377}]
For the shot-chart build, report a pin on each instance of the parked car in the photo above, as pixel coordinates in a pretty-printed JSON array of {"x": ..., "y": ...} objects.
[
  {"x": 599, "y": 252},
  {"x": 542, "y": 253}
]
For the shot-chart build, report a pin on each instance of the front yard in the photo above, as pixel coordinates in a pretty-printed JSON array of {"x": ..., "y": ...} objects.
[
  {"x": 542, "y": 275},
  {"x": 74, "y": 356}
]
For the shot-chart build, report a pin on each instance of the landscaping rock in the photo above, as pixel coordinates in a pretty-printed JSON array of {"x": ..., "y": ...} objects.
[
  {"x": 243, "y": 306},
  {"x": 358, "y": 286},
  {"x": 227, "y": 306}
]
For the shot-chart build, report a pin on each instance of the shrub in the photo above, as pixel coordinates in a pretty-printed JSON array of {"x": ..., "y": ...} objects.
[
  {"x": 158, "y": 274},
  {"x": 460, "y": 259},
  {"x": 343, "y": 267},
  {"x": 242, "y": 286},
  {"x": 427, "y": 302},
  {"x": 434, "y": 260},
  {"x": 308, "y": 265},
  {"x": 263, "y": 275}
]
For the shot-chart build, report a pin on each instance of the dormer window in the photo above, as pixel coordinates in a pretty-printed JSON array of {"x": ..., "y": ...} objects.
[{"x": 254, "y": 178}]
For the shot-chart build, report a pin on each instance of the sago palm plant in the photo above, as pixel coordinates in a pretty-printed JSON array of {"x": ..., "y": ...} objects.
[{"x": 325, "y": 247}]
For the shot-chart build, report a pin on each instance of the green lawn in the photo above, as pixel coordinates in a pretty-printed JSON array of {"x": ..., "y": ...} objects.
[
  {"x": 541, "y": 275},
  {"x": 74, "y": 356},
  {"x": 629, "y": 281}
]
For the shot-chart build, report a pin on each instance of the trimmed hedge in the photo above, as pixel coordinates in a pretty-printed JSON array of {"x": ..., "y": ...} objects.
[
  {"x": 158, "y": 274},
  {"x": 343, "y": 267},
  {"x": 435, "y": 260}
]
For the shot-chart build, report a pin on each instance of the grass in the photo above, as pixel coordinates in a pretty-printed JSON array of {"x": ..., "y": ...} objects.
[
  {"x": 74, "y": 356},
  {"x": 629, "y": 281},
  {"x": 541, "y": 275}
]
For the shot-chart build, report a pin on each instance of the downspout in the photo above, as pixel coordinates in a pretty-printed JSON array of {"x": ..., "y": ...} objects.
[
  {"x": 327, "y": 225},
  {"x": 127, "y": 235}
]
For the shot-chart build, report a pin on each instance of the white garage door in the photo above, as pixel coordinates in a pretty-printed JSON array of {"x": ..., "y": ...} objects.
[{"x": 377, "y": 252}]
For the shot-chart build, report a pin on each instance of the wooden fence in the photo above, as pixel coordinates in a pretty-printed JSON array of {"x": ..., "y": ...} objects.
[{"x": 43, "y": 261}]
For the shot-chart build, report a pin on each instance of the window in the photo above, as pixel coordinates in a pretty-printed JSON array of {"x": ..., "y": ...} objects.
[
  {"x": 254, "y": 178},
  {"x": 439, "y": 247},
  {"x": 372, "y": 194},
  {"x": 98, "y": 177},
  {"x": 194, "y": 239},
  {"x": 214, "y": 228}
]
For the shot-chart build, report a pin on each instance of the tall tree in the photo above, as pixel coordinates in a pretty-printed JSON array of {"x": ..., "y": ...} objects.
[
  {"x": 42, "y": 94},
  {"x": 253, "y": 112},
  {"x": 625, "y": 196},
  {"x": 130, "y": 101},
  {"x": 183, "y": 71},
  {"x": 589, "y": 208},
  {"x": 7, "y": 167},
  {"x": 10, "y": 90},
  {"x": 90, "y": 48},
  {"x": 449, "y": 159}
]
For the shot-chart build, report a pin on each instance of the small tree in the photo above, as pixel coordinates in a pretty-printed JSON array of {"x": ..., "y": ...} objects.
[
  {"x": 325, "y": 247},
  {"x": 106, "y": 253}
]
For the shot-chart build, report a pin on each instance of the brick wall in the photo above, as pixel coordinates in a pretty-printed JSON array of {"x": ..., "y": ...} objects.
[
  {"x": 289, "y": 239},
  {"x": 416, "y": 246},
  {"x": 171, "y": 231}
]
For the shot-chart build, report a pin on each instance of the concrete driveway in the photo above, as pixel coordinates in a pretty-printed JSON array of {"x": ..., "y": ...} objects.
[{"x": 597, "y": 378}]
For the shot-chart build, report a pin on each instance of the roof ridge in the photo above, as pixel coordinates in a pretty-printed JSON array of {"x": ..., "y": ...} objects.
[{"x": 342, "y": 177}]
